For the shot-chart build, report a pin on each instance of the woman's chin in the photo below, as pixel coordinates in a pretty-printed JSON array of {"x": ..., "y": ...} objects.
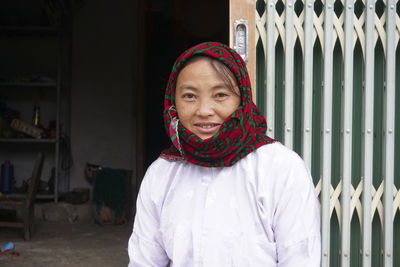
[{"x": 205, "y": 136}]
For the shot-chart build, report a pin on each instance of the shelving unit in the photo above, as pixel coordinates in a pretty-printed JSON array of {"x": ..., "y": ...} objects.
[
  {"x": 23, "y": 84},
  {"x": 26, "y": 140},
  {"x": 13, "y": 85}
]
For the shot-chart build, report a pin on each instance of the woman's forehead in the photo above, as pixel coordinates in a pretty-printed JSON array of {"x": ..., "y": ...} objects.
[{"x": 218, "y": 66}]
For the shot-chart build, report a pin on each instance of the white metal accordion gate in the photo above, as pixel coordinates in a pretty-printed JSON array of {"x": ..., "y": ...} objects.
[{"x": 328, "y": 82}]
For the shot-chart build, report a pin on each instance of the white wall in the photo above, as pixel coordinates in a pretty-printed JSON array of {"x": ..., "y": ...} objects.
[{"x": 102, "y": 102}]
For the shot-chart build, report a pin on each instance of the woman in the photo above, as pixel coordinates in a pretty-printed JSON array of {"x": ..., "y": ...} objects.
[{"x": 224, "y": 194}]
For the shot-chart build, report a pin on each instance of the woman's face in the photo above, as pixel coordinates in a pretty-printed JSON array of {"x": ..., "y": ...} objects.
[{"x": 203, "y": 100}]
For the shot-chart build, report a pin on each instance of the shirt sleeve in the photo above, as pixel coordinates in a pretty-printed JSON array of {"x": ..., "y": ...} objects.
[
  {"x": 296, "y": 222},
  {"x": 145, "y": 244}
]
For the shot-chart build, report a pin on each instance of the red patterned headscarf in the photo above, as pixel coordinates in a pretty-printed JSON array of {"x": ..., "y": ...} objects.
[{"x": 241, "y": 133}]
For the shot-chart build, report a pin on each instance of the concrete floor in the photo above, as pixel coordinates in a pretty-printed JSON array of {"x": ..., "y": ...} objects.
[{"x": 80, "y": 244}]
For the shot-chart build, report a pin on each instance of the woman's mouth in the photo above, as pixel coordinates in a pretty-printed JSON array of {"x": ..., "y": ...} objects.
[{"x": 206, "y": 128}]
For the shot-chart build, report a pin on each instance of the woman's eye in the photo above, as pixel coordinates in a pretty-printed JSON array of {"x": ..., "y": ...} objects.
[
  {"x": 221, "y": 95},
  {"x": 188, "y": 96}
]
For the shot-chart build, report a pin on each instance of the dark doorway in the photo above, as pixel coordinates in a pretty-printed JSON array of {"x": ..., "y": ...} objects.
[{"x": 170, "y": 28}]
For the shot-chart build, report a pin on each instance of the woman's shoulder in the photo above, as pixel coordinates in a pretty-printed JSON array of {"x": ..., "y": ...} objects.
[
  {"x": 278, "y": 154},
  {"x": 278, "y": 165},
  {"x": 162, "y": 173},
  {"x": 158, "y": 169},
  {"x": 156, "y": 180},
  {"x": 159, "y": 163}
]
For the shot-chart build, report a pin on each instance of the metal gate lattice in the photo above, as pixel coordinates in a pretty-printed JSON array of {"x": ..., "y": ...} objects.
[{"x": 326, "y": 82}]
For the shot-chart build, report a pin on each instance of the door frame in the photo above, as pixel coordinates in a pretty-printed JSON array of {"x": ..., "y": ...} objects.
[{"x": 246, "y": 10}]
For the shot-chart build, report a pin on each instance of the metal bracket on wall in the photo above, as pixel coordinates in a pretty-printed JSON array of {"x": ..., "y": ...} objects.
[{"x": 241, "y": 38}]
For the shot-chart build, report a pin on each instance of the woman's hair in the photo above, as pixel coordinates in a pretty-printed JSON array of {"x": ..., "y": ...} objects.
[{"x": 220, "y": 68}]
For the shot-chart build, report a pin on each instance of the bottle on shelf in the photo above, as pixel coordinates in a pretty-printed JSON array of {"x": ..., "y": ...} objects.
[{"x": 36, "y": 115}]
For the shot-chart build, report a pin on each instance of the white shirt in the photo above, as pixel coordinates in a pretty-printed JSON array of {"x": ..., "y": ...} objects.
[{"x": 262, "y": 211}]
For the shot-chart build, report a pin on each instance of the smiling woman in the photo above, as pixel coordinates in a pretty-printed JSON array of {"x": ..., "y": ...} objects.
[
  {"x": 224, "y": 193},
  {"x": 240, "y": 133}
]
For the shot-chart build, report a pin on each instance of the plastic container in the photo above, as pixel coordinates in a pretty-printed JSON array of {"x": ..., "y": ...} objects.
[{"x": 7, "y": 176}]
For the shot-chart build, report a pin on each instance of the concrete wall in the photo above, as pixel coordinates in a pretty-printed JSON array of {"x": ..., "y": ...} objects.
[{"x": 102, "y": 89}]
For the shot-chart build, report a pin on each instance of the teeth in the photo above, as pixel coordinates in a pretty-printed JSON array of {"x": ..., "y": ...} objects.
[{"x": 207, "y": 126}]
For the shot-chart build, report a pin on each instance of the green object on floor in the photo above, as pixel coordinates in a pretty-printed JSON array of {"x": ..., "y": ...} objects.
[{"x": 110, "y": 189}]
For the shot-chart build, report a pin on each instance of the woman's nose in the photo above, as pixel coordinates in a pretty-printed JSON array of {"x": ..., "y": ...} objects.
[{"x": 205, "y": 108}]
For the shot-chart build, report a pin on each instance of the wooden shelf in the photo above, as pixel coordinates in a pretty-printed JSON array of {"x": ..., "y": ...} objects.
[
  {"x": 27, "y": 140},
  {"x": 28, "y": 84},
  {"x": 22, "y": 196},
  {"x": 30, "y": 30}
]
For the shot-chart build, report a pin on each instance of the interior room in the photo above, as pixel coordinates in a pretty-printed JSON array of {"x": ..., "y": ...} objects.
[{"x": 83, "y": 83}]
